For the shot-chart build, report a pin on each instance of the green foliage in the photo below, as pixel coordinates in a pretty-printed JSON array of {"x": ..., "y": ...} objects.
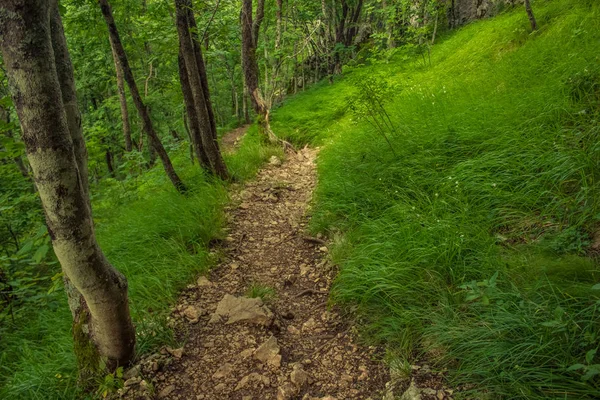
[
  {"x": 156, "y": 237},
  {"x": 473, "y": 247},
  {"x": 261, "y": 291}
]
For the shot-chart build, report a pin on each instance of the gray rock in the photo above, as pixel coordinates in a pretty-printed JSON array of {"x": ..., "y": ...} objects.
[
  {"x": 166, "y": 392},
  {"x": 268, "y": 353},
  {"x": 243, "y": 309}
]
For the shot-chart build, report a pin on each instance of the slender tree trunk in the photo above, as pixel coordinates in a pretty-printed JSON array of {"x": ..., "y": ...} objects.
[
  {"x": 191, "y": 60},
  {"x": 192, "y": 117},
  {"x": 193, "y": 29},
  {"x": 109, "y": 163},
  {"x": 250, "y": 33},
  {"x": 137, "y": 100},
  {"x": 435, "y": 27},
  {"x": 122, "y": 99},
  {"x": 530, "y": 15},
  {"x": 43, "y": 92}
]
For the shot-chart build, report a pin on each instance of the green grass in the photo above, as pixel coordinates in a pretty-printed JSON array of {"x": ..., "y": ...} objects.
[
  {"x": 158, "y": 239},
  {"x": 261, "y": 291},
  {"x": 497, "y": 172}
]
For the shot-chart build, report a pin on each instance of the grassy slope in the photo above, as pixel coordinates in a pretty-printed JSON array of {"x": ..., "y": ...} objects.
[
  {"x": 158, "y": 239},
  {"x": 497, "y": 172}
]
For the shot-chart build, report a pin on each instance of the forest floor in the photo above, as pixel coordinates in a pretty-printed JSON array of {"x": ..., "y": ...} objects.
[
  {"x": 231, "y": 140},
  {"x": 259, "y": 327}
]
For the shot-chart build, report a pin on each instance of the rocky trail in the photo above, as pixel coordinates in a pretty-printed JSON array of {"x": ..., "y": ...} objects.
[{"x": 259, "y": 327}]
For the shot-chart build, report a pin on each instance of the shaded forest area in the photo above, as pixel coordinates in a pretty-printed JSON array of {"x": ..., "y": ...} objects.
[{"x": 458, "y": 179}]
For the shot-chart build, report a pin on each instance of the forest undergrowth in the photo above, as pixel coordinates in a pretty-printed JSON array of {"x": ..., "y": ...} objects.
[
  {"x": 158, "y": 239},
  {"x": 461, "y": 188}
]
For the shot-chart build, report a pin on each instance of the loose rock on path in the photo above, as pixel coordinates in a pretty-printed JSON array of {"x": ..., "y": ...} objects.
[{"x": 289, "y": 345}]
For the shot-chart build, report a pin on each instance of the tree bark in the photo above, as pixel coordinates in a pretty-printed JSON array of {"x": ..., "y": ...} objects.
[
  {"x": 122, "y": 99},
  {"x": 192, "y": 117},
  {"x": 147, "y": 126},
  {"x": 191, "y": 61},
  {"x": 41, "y": 83},
  {"x": 64, "y": 69},
  {"x": 193, "y": 31},
  {"x": 250, "y": 34},
  {"x": 531, "y": 16}
]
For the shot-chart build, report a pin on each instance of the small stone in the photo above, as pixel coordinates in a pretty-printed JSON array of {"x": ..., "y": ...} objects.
[
  {"x": 144, "y": 386},
  {"x": 166, "y": 391},
  {"x": 309, "y": 325},
  {"x": 293, "y": 330},
  {"x": 177, "y": 353},
  {"x": 203, "y": 281},
  {"x": 234, "y": 266},
  {"x": 132, "y": 372},
  {"x": 192, "y": 313},
  {"x": 246, "y": 353},
  {"x": 274, "y": 160},
  {"x": 324, "y": 249},
  {"x": 154, "y": 366},
  {"x": 268, "y": 353},
  {"x": 223, "y": 371},
  {"x": 299, "y": 377},
  {"x": 132, "y": 381},
  {"x": 412, "y": 393},
  {"x": 286, "y": 391},
  {"x": 220, "y": 387}
]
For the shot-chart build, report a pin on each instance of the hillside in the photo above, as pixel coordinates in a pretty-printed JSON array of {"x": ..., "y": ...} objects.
[{"x": 461, "y": 190}]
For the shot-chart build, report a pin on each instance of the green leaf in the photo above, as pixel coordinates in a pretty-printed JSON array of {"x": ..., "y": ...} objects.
[
  {"x": 40, "y": 253},
  {"x": 575, "y": 367},
  {"x": 589, "y": 356},
  {"x": 596, "y": 286}
]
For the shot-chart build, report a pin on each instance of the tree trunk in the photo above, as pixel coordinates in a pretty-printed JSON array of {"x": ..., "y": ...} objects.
[
  {"x": 43, "y": 93},
  {"x": 193, "y": 31},
  {"x": 122, "y": 99},
  {"x": 250, "y": 33},
  {"x": 137, "y": 100},
  {"x": 530, "y": 15},
  {"x": 64, "y": 69},
  {"x": 191, "y": 59},
  {"x": 192, "y": 117}
]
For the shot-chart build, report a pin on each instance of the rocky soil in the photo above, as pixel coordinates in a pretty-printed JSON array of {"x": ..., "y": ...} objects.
[{"x": 259, "y": 327}]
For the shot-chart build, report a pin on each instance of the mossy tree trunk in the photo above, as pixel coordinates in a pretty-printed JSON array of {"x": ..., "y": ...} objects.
[
  {"x": 41, "y": 78},
  {"x": 192, "y": 65},
  {"x": 147, "y": 125}
]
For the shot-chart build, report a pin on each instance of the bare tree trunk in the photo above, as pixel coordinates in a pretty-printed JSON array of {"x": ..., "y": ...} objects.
[
  {"x": 530, "y": 15},
  {"x": 435, "y": 27},
  {"x": 122, "y": 99},
  {"x": 192, "y": 116},
  {"x": 40, "y": 72},
  {"x": 191, "y": 61},
  {"x": 137, "y": 100},
  {"x": 250, "y": 33},
  {"x": 193, "y": 29}
]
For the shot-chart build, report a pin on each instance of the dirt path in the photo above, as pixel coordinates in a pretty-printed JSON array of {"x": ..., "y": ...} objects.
[
  {"x": 292, "y": 346},
  {"x": 230, "y": 141}
]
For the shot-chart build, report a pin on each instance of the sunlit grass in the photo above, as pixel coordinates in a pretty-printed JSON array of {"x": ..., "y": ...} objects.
[{"x": 498, "y": 148}]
